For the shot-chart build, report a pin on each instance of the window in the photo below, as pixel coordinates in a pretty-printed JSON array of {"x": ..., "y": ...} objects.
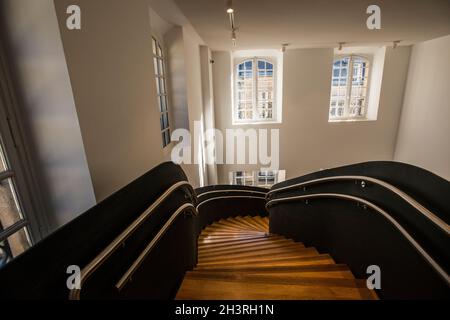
[
  {"x": 349, "y": 88},
  {"x": 254, "y": 90},
  {"x": 261, "y": 178},
  {"x": 161, "y": 90},
  {"x": 266, "y": 178},
  {"x": 243, "y": 178},
  {"x": 14, "y": 236}
]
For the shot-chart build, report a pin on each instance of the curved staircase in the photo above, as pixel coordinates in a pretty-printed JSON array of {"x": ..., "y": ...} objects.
[{"x": 239, "y": 259}]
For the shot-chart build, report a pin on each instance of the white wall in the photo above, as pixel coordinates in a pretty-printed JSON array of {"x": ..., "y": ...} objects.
[
  {"x": 49, "y": 107},
  {"x": 110, "y": 63},
  {"x": 308, "y": 142},
  {"x": 424, "y": 134}
]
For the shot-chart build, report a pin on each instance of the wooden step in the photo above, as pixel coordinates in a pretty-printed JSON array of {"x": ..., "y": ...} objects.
[
  {"x": 320, "y": 259},
  {"x": 263, "y": 221},
  {"x": 202, "y": 289},
  {"x": 257, "y": 258},
  {"x": 250, "y": 223},
  {"x": 253, "y": 248},
  {"x": 282, "y": 269},
  {"x": 232, "y": 222},
  {"x": 278, "y": 278},
  {"x": 286, "y": 273},
  {"x": 282, "y": 261},
  {"x": 281, "y": 252},
  {"x": 207, "y": 241},
  {"x": 228, "y": 233},
  {"x": 230, "y": 236},
  {"x": 238, "y": 245},
  {"x": 239, "y": 242},
  {"x": 252, "y": 245}
]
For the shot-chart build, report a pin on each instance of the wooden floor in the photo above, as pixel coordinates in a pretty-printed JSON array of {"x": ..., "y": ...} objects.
[{"x": 239, "y": 259}]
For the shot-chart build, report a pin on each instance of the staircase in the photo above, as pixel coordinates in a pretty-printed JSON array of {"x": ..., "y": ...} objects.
[{"x": 239, "y": 259}]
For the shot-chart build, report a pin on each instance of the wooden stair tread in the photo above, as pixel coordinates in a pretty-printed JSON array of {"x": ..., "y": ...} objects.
[
  {"x": 294, "y": 252},
  {"x": 200, "y": 289},
  {"x": 283, "y": 268},
  {"x": 258, "y": 257},
  {"x": 203, "y": 242},
  {"x": 320, "y": 259},
  {"x": 286, "y": 274},
  {"x": 277, "y": 278},
  {"x": 240, "y": 242},
  {"x": 268, "y": 247}
]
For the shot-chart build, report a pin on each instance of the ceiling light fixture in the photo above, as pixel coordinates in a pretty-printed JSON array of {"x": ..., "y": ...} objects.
[
  {"x": 230, "y": 12},
  {"x": 340, "y": 45},
  {"x": 284, "y": 46}
]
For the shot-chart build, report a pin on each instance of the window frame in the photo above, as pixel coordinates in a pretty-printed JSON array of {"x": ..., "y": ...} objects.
[
  {"x": 20, "y": 164},
  {"x": 347, "y": 116},
  {"x": 237, "y": 61},
  {"x": 166, "y": 140},
  {"x": 246, "y": 175},
  {"x": 254, "y": 176}
]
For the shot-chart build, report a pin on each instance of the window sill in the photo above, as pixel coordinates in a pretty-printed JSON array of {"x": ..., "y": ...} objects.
[{"x": 352, "y": 120}]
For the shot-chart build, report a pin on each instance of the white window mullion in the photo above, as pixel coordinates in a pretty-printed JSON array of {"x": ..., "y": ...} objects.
[
  {"x": 255, "y": 88},
  {"x": 349, "y": 88}
]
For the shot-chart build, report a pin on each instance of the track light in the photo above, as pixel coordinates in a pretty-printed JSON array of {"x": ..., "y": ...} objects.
[
  {"x": 284, "y": 46},
  {"x": 230, "y": 12},
  {"x": 340, "y": 45},
  {"x": 230, "y": 6},
  {"x": 233, "y": 38},
  {"x": 395, "y": 44}
]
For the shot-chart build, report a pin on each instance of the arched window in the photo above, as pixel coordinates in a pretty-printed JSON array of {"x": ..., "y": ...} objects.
[
  {"x": 254, "y": 90},
  {"x": 349, "y": 88}
]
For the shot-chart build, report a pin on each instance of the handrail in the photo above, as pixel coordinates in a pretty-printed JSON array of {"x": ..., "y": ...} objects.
[
  {"x": 424, "y": 254},
  {"x": 416, "y": 205},
  {"x": 131, "y": 270},
  {"x": 228, "y": 197},
  {"x": 230, "y": 190},
  {"x": 119, "y": 240}
]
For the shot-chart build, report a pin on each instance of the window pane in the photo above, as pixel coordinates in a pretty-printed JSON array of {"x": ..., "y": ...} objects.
[
  {"x": 161, "y": 67},
  {"x": 161, "y": 122},
  {"x": 166, "y": 120},
  {"x": 162, "y": 86},
  {"x": 159, "y": 103},
  {"x": 163, "y": 103},
  {"x": 265, "y": 90},
  {"x": 248, "y": 65},
  {"x": 9, "y": 208},
  {"x": 159, "y": 50},
  {"x": 158, "y": 89},
  {"x": 154, "y": 45},
  {"x": 168, "y": 136},
  {"x": 13, "y": 246},
  {"x": 155, "y": 64}
]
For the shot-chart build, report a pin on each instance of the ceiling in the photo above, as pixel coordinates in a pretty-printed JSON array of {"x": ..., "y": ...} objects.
[{"x": 316, "y": 23}]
